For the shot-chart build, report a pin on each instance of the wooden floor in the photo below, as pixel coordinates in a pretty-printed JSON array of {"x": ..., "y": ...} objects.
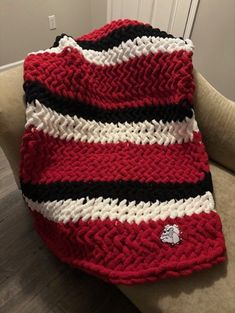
[{"x": 32, "y": 280}]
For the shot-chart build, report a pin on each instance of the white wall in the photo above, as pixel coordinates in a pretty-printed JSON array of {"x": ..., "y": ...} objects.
[
  {"x": 24, "y": 24},
  {"x": 98, "y": 13},
  {"x": 214, "y": 38}
]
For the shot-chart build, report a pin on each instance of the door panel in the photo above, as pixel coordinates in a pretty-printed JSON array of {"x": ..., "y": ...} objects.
[{"x": 173, "y": 16}]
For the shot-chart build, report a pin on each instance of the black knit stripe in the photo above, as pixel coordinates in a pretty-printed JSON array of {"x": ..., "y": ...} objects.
[
  {"x": 165, "y": 112},
  {"x": 57, "y": 39},
  {"x": 129, "y": 190},
  {"x": 117, "y": 36}
]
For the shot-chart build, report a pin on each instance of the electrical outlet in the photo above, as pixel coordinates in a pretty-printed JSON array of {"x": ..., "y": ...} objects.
[{"x": 52, "y": 22}]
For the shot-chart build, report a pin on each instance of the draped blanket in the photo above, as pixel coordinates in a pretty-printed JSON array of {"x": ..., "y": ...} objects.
[{"x": 113, "y": 167}]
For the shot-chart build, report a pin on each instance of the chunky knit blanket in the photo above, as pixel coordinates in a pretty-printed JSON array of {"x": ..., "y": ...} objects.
[{"x": 113, "y": 167}]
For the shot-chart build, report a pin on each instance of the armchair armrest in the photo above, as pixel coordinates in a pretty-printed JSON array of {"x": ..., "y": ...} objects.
[
  {"x": 215, "y": 115},
  {"x": 12, "y": 116}
]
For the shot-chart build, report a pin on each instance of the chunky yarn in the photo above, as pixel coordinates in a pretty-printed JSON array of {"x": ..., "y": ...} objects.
[{"x": 113, "y": 167}]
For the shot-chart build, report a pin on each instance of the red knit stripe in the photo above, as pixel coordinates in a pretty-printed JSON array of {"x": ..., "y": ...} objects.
[
  {"x": 130, "y": 84},
  {"x": 46, "y": 159},
  {"x": 108, "y": 28},
  {"x": 131, "y": 253}
]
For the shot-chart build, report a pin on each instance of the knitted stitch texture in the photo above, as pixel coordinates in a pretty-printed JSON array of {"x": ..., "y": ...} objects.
[{"x": 113, "y": 167}]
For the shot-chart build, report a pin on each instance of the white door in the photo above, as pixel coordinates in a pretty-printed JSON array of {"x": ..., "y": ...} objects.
[{"x": 173, "y": 16}]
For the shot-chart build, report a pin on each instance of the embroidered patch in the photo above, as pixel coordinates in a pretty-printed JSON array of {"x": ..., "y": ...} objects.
[{"x": 171, "y": 234}]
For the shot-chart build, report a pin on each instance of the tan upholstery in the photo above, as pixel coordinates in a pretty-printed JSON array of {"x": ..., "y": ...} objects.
[
  {"x": 216, "y": 118},
  {"x": 209, "y": 291},
  {"x": 12, "y": 118}
]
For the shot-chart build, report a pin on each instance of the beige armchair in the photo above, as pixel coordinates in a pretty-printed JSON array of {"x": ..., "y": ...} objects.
[{"x": 209, "y": 291}]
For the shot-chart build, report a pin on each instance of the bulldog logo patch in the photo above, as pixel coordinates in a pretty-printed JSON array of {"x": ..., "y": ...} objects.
[{"x": 171, "y": 234}]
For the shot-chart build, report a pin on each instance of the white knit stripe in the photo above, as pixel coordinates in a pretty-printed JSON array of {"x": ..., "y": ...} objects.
[
  {"x": 126, "y": 50},
  {"x": 107, "y": 208},
  {"x": 79, "y": 129}
]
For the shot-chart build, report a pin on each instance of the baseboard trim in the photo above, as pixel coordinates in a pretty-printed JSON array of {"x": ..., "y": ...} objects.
[{"x": 10, "y": 65}]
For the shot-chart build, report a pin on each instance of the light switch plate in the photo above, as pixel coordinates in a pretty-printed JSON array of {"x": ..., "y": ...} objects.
[{"x": 52, "y": 22}]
